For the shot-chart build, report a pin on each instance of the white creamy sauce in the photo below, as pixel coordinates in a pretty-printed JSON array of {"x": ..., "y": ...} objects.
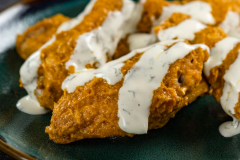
[
  {"x": 230, "y": 97},
  {"x": 141, "y": 40},
  {"x": 231, "y": 24},
  {"x": 143, "y": 1},
  {"x": 110, "y": 71},
  {"x": 200, "y": 11},
  {"x": 93, "y": 46},
  {"x": 28, "y": 70},
  {"x": 229, "y": 129},
  {"x": 29, "y": 106},
  {"x": 184, "y": 30},
  {"x": 142, "y": 79},
  {"x": 219, "y": 52}
]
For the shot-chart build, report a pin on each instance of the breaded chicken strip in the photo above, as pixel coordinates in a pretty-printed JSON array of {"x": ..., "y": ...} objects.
[
  {"x": 35, "y": 36},
  {"x": 85, "y": 42},
  {"x": 94, "y": 109},
  {"x": 221, "y": 70}
]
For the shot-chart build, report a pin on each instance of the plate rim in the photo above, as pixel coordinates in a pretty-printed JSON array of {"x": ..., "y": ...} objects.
[{"x": 14, "y": 153}]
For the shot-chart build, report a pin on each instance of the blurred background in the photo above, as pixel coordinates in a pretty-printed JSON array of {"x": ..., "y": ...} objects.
[{"x": 6, "y": 3}]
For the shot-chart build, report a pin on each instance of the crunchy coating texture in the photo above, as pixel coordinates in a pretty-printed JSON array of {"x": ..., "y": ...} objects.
[
  {"x": 122, "y": 48},
  {"x": 216, "y": 74},
  {"x": 52, "y": 71},
  {"x": 209, "y": 36},
  {"x": 172, "y": 21},
  {"x": 35, "y": 36},
  {"x": 216, "y": 78},
  {"x": 152, "y": 10},
  {"x": 175, "y": 19},
  {"x": 91, "y": 110}
]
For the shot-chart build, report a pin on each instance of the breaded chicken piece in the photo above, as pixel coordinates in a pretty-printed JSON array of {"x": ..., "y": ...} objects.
[
  {"x": 35, "y": 36},
  {"x": 217, "y": 73},
  {"x": 209, "y": 35},
  {"x": 222, "y": 72},
  {"x": 153, "y": 9},
  {"x": 91, "y": 111},
  {"x": 52, "y": 70}
]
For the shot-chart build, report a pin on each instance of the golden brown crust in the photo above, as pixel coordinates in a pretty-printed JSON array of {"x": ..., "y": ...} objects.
[
  {"x": 216, "y": 74},
  {"x": 91, "y": 110},
  {"x": 152, "y": 10},
  {"x": 52, "y": 71},
  {"x": 209, "y": 36},
  {"x": 122, "y": 48},
  {"x": 34, "y": 37},
  {"x": 174, "y": 20}
]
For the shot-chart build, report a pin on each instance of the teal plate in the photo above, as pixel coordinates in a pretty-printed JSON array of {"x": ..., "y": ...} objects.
[{"x": 192, "y": 134}]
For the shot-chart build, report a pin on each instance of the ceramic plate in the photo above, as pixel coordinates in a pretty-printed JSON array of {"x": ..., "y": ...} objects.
[{"x": 192, "y": 134}]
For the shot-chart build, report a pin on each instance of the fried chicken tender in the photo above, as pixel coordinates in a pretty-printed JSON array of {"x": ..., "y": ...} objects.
[
  {"x": 216, "y": 75},
  {"x": 208, "y": 36},
  {"x": 34, "y": 37},
  {"x": 52, "y": 71},
  {"x": 91, "y": 111}
]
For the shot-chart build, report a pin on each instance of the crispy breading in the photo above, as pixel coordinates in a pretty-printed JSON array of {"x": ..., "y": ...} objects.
[
  {"x": 52, "y": 70},
  {"x": 91, "y": 110},
  {"x": 35, "y": 36}
]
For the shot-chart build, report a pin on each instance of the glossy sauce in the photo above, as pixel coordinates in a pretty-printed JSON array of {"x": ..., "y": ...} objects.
[
  {"x": 230, "y": 128},
  {"x": 141, "y": 40},
  {"x": 111, "y": 72},
  {"x": 27, "y": 105},
  {"x": 184, "y": 30},
  {"x": 93, "y": 46},
  {"x": 231, "y": 87},
  {"x": 231, "y": 24},
  {"x": 230, "y": 98},
  {"x": 28, "y": 72},
  {"x": 219, "y": 52},
  {"x": 200, "y": 11}
]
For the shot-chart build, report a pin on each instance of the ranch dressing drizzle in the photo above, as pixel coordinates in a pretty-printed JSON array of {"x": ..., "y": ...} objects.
[
  {"x": 200, "y": 11},
  {"x": 30, "y": 106},
  {"x": 111, "y": 71},
  {"x": 219, "y": 52},
  {"x": 142, "y": 79},
  {"x": 230, "y": 98},
  {"x": 184, "y": 30},
  {"x": 93, "y": 46},
  {"x": 140, "y": 40},
  {"x": 231, "y": 24},
  {"x": 28, "y": 70}
]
